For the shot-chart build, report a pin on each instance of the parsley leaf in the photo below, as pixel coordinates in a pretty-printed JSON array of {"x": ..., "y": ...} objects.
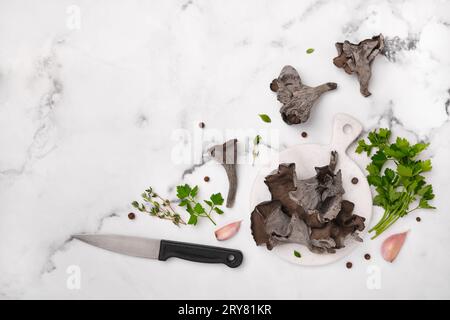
[
  {"x": 188, "y": 199},
  {"x": 183, "y": 191},
  {"x": 265, "y": 118},
  {"x": 217, "y": 199}
]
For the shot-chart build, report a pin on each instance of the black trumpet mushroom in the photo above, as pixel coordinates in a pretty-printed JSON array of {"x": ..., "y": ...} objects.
[
  {"x": 226, "y": 155},
  {"x": 310, "y": 212},
  {"x": 358, "y": 58}
]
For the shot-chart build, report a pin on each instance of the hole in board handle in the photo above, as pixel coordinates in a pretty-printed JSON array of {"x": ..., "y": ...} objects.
[{"x": 347, "y": 129}]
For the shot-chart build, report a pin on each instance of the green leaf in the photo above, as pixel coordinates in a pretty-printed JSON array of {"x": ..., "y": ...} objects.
[
  {"x": 363, "y": 147},
  {"x": 426, "y": 192},
  {"x": 297, "y": 254},
  {"x": 373, "y": 169},
  {"x": 373, "y": 137},
  {"x": 193, "y": 220},
  {"x": 380, "y": 200},
  {"x": 217, "y": 199},
  {"x": 426, "y": 165},
  {"x": 183, "y": 191},
  {"x": 183, "y": 203},
  {"x": 257, "y": 139},
  {"x": 194, "y": 192},
  {"x": 420, "y": 184},
  {"x": 404, "y": 171},
  {"x": 417, "y": 148},
  {"x": 374, "y": 180},
  {"x": 309, "y": 50},
  {"x": 393, "y": 194},
  {"x": 190, "y": 209},
  {"x": 219, "y": 211},
  {"x": 149, "y": 190},
  {"x": 403, "y": 145},
  {"x": 265, "y": 117},
  {"x": 384, "y": 134},
  {"x": 390, "y": 174},
  {"x": 380, "y": 137},
  {"x": 393, "y": 152},
  {"x": 412, "y": 186},
  {"x": 379, "y": 159},
  {"x": 423, "y": 204},
  {"x": 198, "y": 208},
  {"x": 135, "y": 204}
]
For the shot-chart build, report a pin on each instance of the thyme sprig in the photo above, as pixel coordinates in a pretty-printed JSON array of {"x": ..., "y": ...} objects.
[{"x": 156, "y": 206}]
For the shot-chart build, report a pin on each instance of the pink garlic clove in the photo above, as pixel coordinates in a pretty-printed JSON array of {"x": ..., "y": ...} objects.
[
  {"x": 392, "y": 245},
  {"x": 226, "y": 232}
]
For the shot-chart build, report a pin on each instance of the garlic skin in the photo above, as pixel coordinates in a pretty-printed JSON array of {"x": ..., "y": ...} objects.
[
  {"x": 228, "y": 231},
  {"x": 392, "y": 245}
]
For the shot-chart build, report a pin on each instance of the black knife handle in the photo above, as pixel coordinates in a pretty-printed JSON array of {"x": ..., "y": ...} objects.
[{"x": 199, "y": 253}]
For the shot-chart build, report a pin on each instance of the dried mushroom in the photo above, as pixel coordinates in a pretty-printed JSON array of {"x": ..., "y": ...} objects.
[
  {"x": 226, "y": 154},
  {"x": 358, "y": 58},
  {"x": 297, "y": 98},
  {"x": 280, "y": 183},
  {"x": 270, "y": 226},
  {"x": 322, "y": 193},
  {"x": 259, "y": 218},
  {"x": 310, "y": 212},
  {"x": 345, "y": 225}
]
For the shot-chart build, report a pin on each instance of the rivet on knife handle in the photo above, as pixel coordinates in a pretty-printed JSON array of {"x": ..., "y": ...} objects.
[{"x": 199, "y": 253}]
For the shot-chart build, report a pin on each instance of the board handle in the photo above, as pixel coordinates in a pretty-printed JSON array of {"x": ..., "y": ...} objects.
[{"x": 346, "y": 129}]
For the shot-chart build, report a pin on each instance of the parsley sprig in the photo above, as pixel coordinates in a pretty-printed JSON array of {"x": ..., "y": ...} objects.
[
  {"x": 400, "y": 187},
  {"x": 188, "y": 195}
]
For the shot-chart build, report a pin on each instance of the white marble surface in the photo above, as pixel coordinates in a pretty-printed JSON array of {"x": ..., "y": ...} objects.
[{"x": 93, "y": 94}]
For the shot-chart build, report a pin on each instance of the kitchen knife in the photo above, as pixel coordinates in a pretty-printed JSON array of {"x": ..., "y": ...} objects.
[{"x": 163, "y": 249}]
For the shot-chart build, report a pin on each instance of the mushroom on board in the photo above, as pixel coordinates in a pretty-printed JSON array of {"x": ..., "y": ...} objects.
[
  {"x": 296, "y": 97},
  {"x": 310, "y": 212}
]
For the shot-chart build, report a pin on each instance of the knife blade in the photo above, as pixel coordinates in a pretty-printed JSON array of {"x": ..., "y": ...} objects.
[{"x": 162, "y": 249}]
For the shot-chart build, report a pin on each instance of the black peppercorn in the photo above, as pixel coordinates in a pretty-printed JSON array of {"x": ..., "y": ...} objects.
[
  {"x": 355, "y": 180},
  {"x": 349, "y": 265},
  {"x": 131, "y": 216},
  {"x": 201, "y": 125},
  {"x": 206, "y": 179},
  {"x": 274, "y": 85},
  {"x": 367, "y": 256},
  {"x": 304, "y": 134}
]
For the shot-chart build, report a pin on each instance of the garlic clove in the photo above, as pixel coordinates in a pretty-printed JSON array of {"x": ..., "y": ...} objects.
[
  {"x": 392, "y": 245},
  {"x": 228, "y": 231}
]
